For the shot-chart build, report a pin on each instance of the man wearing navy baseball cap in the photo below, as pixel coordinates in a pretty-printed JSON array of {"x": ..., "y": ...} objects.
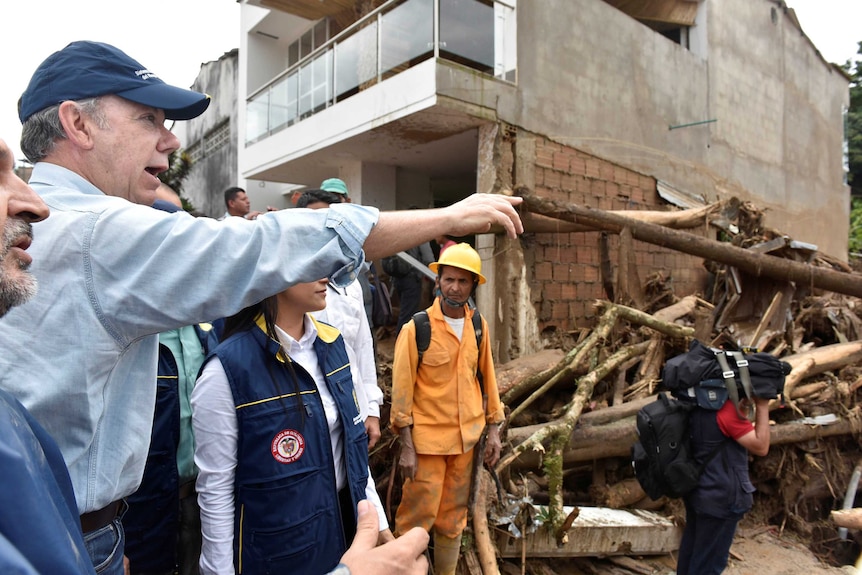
[
  {"x": 89, "y": 69},
  {"x": 114, "y": 274}
]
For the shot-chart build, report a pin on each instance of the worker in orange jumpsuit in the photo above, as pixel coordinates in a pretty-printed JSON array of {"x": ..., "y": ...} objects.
[{"x": 438, "y": 408}]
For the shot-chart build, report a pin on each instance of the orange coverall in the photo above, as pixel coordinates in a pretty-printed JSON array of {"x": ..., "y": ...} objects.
[{"x": 442, "y": 400}]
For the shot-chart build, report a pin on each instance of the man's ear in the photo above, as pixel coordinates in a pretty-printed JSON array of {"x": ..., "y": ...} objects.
[{"x": 77, "y": 125}]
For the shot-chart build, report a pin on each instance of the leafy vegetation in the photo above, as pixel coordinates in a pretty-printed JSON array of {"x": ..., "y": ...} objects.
[
  {"x": 180, "y": 165},
  {"x": 854, "y": 143}
]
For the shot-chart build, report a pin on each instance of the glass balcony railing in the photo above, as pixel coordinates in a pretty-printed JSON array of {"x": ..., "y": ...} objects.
[{"x": 480, "y": 34}]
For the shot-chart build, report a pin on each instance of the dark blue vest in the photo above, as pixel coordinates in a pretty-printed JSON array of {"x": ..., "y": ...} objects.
[
  {"x": 287, "y": 516},
  {"x": 151, "y": 523},
  {"x": 725, "y": 489}
]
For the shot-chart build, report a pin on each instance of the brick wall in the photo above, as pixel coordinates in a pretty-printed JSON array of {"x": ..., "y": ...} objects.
[{"x": 565, "y": 266}]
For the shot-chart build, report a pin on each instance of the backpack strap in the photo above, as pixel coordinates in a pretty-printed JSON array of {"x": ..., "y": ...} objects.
[
  {"x": 729, "y": 379},
  {"x": 423, "y": 332},
  {"x": 423, "y": 339},
  {"x": 744, "y": 374}
]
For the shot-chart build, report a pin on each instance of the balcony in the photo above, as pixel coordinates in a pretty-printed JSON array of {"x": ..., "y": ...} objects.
[{"x": 478, "y": 34}]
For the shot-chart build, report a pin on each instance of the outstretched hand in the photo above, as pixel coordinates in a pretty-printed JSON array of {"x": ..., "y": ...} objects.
[
  {"x": 477, "y": 213},
  {"x": 403, "y": 556}
]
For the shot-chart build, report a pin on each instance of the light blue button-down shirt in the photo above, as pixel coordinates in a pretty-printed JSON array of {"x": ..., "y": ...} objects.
[{"x": 81, "y": 356}]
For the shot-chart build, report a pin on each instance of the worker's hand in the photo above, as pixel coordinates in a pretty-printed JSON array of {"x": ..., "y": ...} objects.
[
  {"x": 493, "y": 446},
  {"x": 402, "y": 556},
  {"x": 385, "y": 536},
  {"x": 407, "y": 459},
  {"x": 372, "y": 428},
  {"x": 476, "y": 214},
  {"x": 252, "y": 215}
]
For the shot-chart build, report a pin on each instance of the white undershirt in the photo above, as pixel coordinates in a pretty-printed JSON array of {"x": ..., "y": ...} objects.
[
  {"x": 215, "y": 428},
  {"x": 457, "y": 325}
]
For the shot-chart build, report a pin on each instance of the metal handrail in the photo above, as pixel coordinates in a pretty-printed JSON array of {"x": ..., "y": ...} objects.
[{"x": 330, "y": 44}]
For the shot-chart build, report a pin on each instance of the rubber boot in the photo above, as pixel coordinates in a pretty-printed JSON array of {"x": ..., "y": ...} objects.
[{"x": 446, "y": 553}]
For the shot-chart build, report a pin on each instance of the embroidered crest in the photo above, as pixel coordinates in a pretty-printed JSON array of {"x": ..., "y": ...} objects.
[{"x": 288, "y": 446}]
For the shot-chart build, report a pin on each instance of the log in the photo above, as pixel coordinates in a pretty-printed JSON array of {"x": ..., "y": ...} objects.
[
  {"x": 849, "y": 518},
  {"x": 512, "y": 373},
  {"x": 642, "y": 318},
  {"x": 827, "y": 357},
  {"x": 616, "y": 440},
  {"x": 567, "y": 421},
  {"x": 623, "y": 494},
  {"x": 606, "y": 324},
  {"x": 679, "y": 219},
  {"x": 481, "y": 532},
  {"x": 755, "y": 264},
  {"x": 681, "y": 308}
]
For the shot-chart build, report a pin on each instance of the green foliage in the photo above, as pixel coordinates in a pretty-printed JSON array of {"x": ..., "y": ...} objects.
[
  {"x": 854, "y": 124},
  {"x": 854, "y": 149},
  {"x": 180, "y": 164},
  {"x": 855, "y": 242}
]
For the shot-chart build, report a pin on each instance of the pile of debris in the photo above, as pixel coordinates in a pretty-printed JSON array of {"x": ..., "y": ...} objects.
[{"x": 565, "y": 476}]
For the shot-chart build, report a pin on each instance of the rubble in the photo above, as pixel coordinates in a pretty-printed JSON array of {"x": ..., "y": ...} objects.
[{"x": 571, "y": 412}]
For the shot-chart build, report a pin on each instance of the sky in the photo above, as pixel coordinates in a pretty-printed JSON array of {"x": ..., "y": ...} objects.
[
  {"x": 170, "y": 37},
  {"x": 174, "y": 37}
]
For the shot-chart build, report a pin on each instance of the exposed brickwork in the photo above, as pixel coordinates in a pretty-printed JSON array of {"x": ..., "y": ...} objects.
[{"x": 566, "y": 278}]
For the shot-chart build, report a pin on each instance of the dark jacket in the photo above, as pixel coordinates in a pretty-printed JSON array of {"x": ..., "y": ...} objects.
[
  {"x": 725, "y": 489},
  {"x": 40, "y": 531},
  {"x": 152, "y": 520}
]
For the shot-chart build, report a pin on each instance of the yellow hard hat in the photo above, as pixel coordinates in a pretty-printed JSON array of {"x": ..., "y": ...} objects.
[{"x": 460, "y": 256}]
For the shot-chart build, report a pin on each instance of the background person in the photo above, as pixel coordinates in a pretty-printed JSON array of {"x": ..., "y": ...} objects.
[
  {"x": 237, "y": 204},
  {"x": 724, "y": 492},
  {"x": 345, "y": 309},
  {"x": 440, "y": 408},
  {"x": 336, "y": 186},
  {"x": 39, "y": 528}
]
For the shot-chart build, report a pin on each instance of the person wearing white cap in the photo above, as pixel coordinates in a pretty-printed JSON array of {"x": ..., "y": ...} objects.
[{"x": 115, "y": 274}]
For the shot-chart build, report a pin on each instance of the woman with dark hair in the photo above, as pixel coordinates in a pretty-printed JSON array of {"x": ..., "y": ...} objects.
[{"x": 280, "y": 445}]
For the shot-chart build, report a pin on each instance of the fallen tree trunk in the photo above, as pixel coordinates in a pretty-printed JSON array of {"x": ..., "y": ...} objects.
[
  {"x": 755, "y": 264},
  {"x": 642, "y": 318},
  {"x": 511, "y": 374},
  {"x": 826, "y": 358},
  {"x": 680, "y": 219},
  {"x": 616, "y": 439},
  {"x": 575, "y": 358}
]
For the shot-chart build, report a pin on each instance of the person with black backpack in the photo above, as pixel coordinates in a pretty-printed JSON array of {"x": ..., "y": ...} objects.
[
  {"x": 722, "y": 440},
  {"x": 444, "y": 396}
]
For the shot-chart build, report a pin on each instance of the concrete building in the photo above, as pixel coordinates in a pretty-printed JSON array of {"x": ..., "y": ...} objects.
[{"x": 606, "y": 103}]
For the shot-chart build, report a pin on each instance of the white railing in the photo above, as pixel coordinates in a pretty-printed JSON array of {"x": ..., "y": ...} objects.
[{"x": 480, "y": 34}]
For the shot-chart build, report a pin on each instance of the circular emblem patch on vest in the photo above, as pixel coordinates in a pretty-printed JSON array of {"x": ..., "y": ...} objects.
[{"x": 288, "y": 446}]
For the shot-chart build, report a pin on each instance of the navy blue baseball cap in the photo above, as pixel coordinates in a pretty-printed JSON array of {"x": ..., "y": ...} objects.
[{"x": 86, "y": 69}]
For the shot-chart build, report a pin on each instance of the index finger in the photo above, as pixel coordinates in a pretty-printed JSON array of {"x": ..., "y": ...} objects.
[{"x": 509, "y": 218}]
